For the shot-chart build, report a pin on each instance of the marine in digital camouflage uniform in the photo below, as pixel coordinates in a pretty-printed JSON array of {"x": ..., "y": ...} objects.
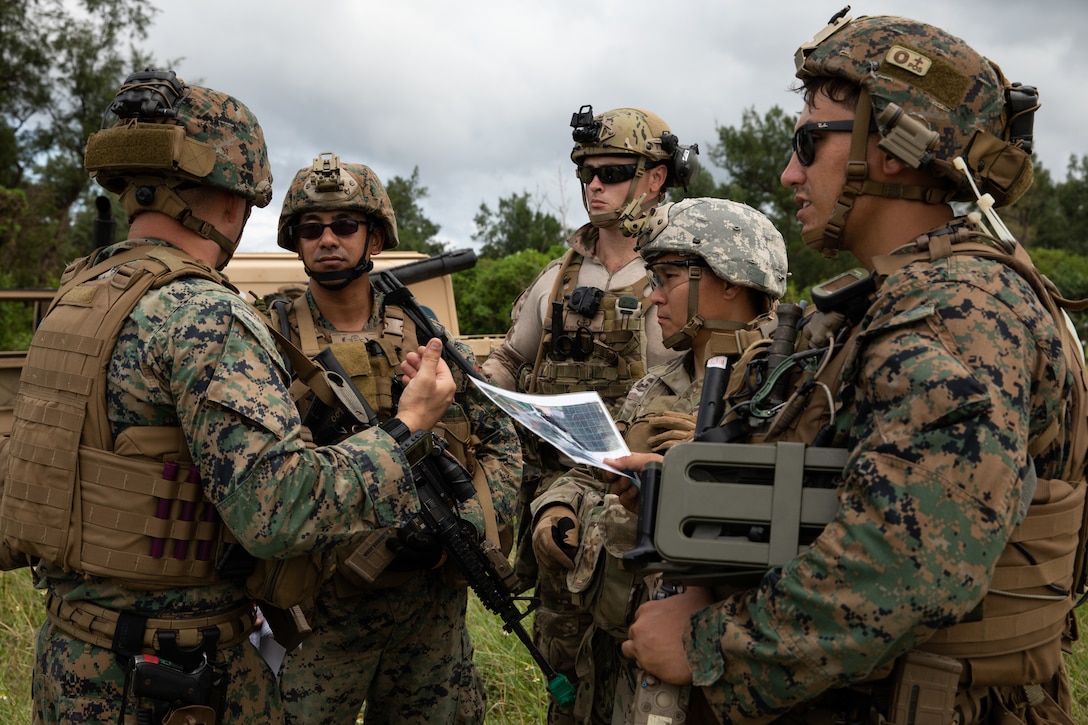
[
  {"x": 398, "y": 642},
  {"x": 192, "y": 376},
  {"x": 626, "y": 158},
  {"x": 949, "y": 567},
  {"x": 717, "y": 268}
]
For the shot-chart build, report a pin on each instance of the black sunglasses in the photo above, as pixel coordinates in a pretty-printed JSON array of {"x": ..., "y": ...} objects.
[
  {"x": 804, "y": 142},
  {"x": 313, "y": 230},
  {"x": 614, "y": 174}
]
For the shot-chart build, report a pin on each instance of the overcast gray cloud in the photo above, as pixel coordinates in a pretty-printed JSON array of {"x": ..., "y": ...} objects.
[{"x": 479, "y": 95}]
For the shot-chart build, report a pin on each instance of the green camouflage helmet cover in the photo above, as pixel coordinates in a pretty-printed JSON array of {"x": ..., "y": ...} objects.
[
  {"x": 213, "y": 140},
  {"x": 937, "y": 79},
  {"x": 740, "y": 244},
  {"x": 626, "y": 132},
  {"x": 329, "y": 185}
]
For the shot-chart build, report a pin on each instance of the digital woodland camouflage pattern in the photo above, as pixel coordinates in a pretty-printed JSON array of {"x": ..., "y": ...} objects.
[
  {"x": 929, "y": 73},
  {"x": 209, "y": 117},
  {"x": 403, "y": 648},
  {"x": 87, "y": 683},
  {"x": 740, "y": 244},
  {"x": 360, "y": 190},
  {"x": 957, "y": 366},
  {"x": 194, "y": 355}
]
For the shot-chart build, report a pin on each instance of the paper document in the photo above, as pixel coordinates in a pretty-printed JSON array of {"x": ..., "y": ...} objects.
[{"x": 578, "y": 424}]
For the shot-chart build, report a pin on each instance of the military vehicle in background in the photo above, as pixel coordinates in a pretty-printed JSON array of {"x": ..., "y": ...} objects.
[{"x": 257, "y": 274}]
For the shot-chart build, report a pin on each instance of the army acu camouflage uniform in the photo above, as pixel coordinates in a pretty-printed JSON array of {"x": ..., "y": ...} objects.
[
  {"x": 601, "y": 588},
  {"x": 961, "y": 404},
  {"x": 145, "y": 363},
  {"x": 742, "y": 247},
  {"x": 398, "y": 643}
]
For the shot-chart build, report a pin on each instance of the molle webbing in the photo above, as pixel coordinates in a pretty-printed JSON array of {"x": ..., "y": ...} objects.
[
  {"x": 618, "y": 356},
  {"x": 75, "y": 498},
  {"x": 97, "y": 625},
  {"x": 1026, "y": 613},
  {"x": 1018, "y": 638}
]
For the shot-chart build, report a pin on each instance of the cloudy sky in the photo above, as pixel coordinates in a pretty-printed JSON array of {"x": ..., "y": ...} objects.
[{"x": 479, "y": 93}]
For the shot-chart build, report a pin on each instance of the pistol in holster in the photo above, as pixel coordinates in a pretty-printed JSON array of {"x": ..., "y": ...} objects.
[{"x": 172, "y": 695}]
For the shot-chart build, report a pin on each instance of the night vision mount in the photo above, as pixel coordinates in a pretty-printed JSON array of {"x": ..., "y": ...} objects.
[
  {"x": 683, "y": 161},
  {"x": 148, "y": 96}
]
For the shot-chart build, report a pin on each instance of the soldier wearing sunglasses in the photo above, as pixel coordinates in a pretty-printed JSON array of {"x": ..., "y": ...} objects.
[
  {"x": 395, "y": 638},
  {"x": 587, "y": 323},
  {"x": 942, "y": 588}
]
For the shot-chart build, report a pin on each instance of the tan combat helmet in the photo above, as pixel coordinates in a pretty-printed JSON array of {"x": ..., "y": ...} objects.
[
  {"x": 738, "y": 243},
  {"x": 933, "y": 99},
  {"x": 330, "y": 185},
  {"x": 160, "y": 133},
  {"x": 640, "y": 134}
]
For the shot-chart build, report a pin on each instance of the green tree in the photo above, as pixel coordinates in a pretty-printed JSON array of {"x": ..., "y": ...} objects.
[
  {"x": 753, "y": 157},
  {"x": 486, "y": 293},
  {"x": 414, "y": 230},
  {"x": 514, "y": 227},
  {"x": 1071, "y": 197},
  {"x": 702, "y": 185},
  {"x": 61, "y": 64},
  {"x": 1036, "y": 216}
]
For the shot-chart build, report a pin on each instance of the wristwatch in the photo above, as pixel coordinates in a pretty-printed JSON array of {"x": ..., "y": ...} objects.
[{"x": 396, "y": 428}]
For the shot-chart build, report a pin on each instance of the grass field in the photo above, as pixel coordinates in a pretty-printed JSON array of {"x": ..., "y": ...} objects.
[{"x": 516, "y": 691}]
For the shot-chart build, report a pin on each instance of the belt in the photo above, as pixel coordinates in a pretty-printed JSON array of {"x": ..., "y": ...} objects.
[{"x": 97, "y": 625}]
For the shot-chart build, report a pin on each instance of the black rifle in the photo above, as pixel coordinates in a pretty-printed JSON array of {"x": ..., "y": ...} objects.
[
  {"x": 392, "y": 288},
  {"x": 441, "y": 483},
  {"x": 449, "y": 262}
]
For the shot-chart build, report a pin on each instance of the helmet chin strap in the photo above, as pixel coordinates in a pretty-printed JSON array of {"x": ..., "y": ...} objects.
[
  {"x": 160, "y": 195},
  {"x": 340, "y": 279},
  {"x": 683, "y": 338},
  {"x": 828, "y": 239},
  {"x": 612, "y": 219}
]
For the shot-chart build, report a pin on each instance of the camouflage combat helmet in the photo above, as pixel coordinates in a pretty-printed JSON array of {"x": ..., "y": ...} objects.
[
  {"x": 739, "y": 244},
  {"x": 623, "y": 131},
  {"x": 933, "y": 99},
  {"x": 637, "y": 133},
  {"x": 160, "y": 133},
  {"x": 329, "y": 185}
]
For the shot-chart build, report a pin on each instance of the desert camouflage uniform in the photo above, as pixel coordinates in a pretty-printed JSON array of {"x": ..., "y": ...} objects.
[
  {"x": 558, "y": 625},
  {"x": 194, "y": 355},
  {"x": 610, "y": 595},
  {"x": 401, "y": 646},
  {"x": 956, "y": 365}
]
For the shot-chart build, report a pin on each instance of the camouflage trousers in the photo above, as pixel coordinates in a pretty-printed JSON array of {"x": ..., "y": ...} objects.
[
  {"x": 558, "y": 628},
  {"x": 77, "y": 682},
  {"x": 404, "y": 651}
]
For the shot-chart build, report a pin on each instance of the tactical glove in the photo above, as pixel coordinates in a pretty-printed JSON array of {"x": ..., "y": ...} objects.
[
  {"x": 674, "y": 428},
  {"x": 555, "y": 538}
]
